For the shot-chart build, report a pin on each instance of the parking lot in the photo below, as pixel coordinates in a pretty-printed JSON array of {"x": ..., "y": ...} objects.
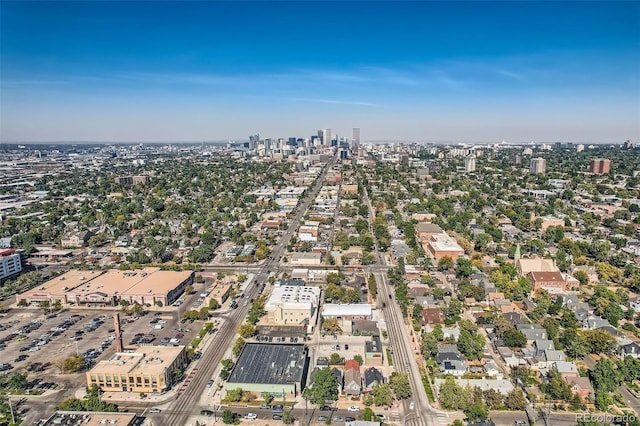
[{"x": 38, "y": 343}]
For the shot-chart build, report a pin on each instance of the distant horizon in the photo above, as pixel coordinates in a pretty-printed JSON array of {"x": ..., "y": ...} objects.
[
  {"x": 406, "y": 70},
  {"x": 374, "y": 141}
]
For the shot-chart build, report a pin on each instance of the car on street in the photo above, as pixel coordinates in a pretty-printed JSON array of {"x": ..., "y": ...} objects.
[
  {"x": 325, "y": 408},
  {"x": 349, "y": 419},
  {"x": 412, "y": 405},
  {"x": 210, "y": 383},
  {"x": 251, "y": 416},
  {"x": 519, "y": 423},
  {"x": 155, "y": 410},
  {"x": 207, "y": 413},
  {"x": 353, "y": 408},
  {"x": 322, "y": 418},
  {"x": 276, "y": 417}
]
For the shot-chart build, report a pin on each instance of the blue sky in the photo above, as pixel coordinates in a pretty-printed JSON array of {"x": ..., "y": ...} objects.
[{"x": 428, "y": 71}]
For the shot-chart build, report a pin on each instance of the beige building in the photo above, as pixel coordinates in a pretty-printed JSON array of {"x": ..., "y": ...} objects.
[
  {"x": 57, "y": 289},
  {"x": 292, "y": 305},
  {"x": 150, "y": 286},
  {"x": 306, "y": 259},
  {"x": 149, "y": 369},
  {"x": 536, "y": 264},
  {"x": 441, "y": 245}
]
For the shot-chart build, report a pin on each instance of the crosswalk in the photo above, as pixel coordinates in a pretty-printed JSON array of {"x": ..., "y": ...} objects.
[{"x": 443, "y": 419}]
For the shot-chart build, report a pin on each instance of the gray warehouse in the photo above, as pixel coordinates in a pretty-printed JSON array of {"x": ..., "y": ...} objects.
[{"x": 276, "y": 369}]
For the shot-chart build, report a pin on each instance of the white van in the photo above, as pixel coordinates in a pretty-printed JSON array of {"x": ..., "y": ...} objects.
[{"x": 158, "y": 327}]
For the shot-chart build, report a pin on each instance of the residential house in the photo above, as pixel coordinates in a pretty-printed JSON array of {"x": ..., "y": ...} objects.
[
  {"x": 352, "y": 382},
  {"x": 532, "y": 331},
  {"x": 450, "y": 360},
  {"x": 630, "y": 349},
  {"x": 75, "y": 238},
  {"x": 372, "y": 376},
  {"x": 542, "y": 345},
  {"x": 591, "y": 272},
  {"x": 509, "y": 358},
  {"x": 582, "y": 387},
  {"x": 431, "y": 316},
  {"x": 566, "y": 369}
]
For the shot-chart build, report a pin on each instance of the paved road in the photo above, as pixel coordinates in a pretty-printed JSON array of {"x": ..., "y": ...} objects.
[
  {"x": 182, "y": 407},
  {"x": 403, "y": 358}
]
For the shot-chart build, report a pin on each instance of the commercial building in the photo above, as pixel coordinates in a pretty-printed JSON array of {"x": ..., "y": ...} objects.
[
  {"x": 441, "y": 245},
  {"x": 292, "y": 305},
  {"x": 148, "y": 369},
  {"x": 553, "y": 282},
  {"x": 537, "y": 165},
  {"x": 277, "y": 369},
  {"x": 600, "y": 166},
  {"x": 150, "y": 286},
  {"x": 305, "y": 259},
  {"x": 90, "y": 418},
  {"x": 10, "y": 263}
]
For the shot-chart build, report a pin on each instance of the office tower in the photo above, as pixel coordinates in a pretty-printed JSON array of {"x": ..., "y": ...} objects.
[
  {"x": 600, "y": 166},
  {"x": 327, "y": 137},
  {"x": 537, "y": 165},
  {"x": 356, "y": 139},
  {"x": 253, "y": 141},
  {"x": 321, "y": 136},
  {"x": 470, "y": 163}
]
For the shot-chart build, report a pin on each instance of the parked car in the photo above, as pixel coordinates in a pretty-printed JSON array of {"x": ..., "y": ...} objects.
[
  {"x": 155, "y": 410},
  {"x": 353, "y": 408},
  {"x": 251, "y": 416}
]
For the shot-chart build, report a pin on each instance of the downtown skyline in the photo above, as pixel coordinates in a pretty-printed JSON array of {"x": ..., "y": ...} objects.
[{"x": 424, "y": 71}]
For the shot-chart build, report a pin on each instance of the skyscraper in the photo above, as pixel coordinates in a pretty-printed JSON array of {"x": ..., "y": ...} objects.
[
  {"x": 356, "y": 139},
  {"x": 327, "y": 137},
  {"x": 600, "y": 166},
  {"x": 537, "y": 165},
  {"x": 470, "y": 163}
]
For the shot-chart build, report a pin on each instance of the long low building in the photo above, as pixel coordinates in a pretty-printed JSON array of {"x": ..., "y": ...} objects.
[
  {"x": 277, "y": 369},
  {"x": 150, "y": 286},
  {"x": 148, "y": 369}
]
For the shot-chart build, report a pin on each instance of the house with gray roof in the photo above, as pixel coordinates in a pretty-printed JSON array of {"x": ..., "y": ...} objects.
[
  {"x": 450, "y": 360},
  {"x": 532, "y": 331}
]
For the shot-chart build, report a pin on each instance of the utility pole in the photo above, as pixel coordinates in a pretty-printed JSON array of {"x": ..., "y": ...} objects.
[{"x": 13, "y": 419}]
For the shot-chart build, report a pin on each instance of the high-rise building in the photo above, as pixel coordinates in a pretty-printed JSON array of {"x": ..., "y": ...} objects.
[
  {"x": 253, "y": 141},
  {"x": 326, "y": 141},
  {"x": 470, "y": 163},
  {"x": 579, "y": 148},
  {"x": 600, "y": 166},
  {"x": 537, "y": 165}
]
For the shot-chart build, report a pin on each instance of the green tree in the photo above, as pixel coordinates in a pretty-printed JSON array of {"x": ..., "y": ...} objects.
[
  {"x": 515, "y": 400},
  {"x": 72, "y": 364},
  {"x": 471, "y": 345},
  {"x": 323, "y": 390},
  {"x": 452, "y": 396},
  {"x": 514, "y": 339},
  {"x": 476, "y": 413},
  {"x": 382, "y": 394},
  {"x": 247, "y": 330},
  {"x": 399, "y": 382},
  {"x": 331, "y": 326},
  {"x": 445, "y": 263},
  {"x": 228, "y": 417},
  {"x": 358, "y": 359}
]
